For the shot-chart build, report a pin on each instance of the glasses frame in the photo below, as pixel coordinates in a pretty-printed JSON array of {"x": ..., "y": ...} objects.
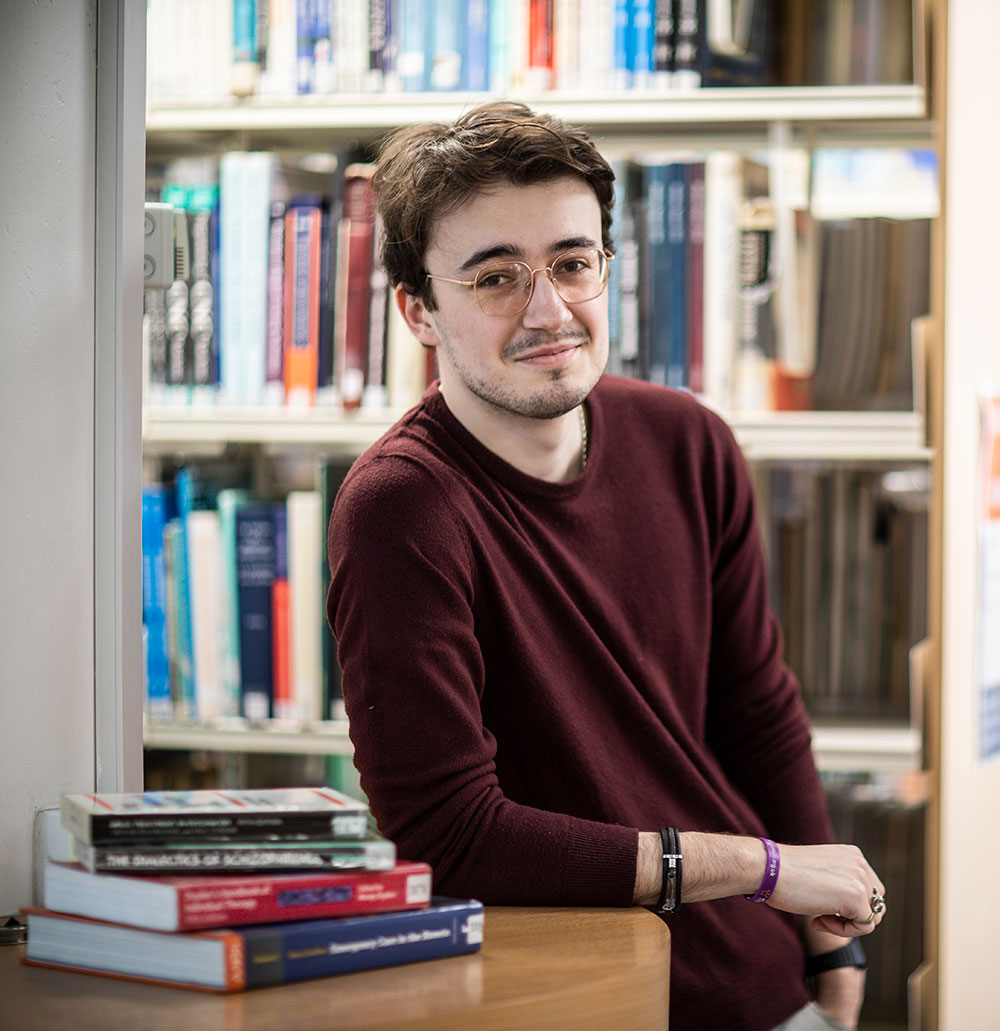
[{"x": 547, "y": 269}]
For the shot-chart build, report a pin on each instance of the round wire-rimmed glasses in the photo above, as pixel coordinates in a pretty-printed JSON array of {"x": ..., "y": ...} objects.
[{"x": 504, "y": 289}]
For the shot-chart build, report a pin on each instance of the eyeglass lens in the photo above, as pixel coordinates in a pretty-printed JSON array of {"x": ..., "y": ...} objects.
[{"x": 577, "y": 275}]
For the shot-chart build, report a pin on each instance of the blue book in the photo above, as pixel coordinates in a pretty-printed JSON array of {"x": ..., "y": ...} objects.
[
  {"x": 499, "y": 35},
  {"x": 411, "y": 58},
  {"x": 238, "y": 958},
  {"x": 677, "y": 263},
  {"x": 157, "y": 503},
  {"x": 641, "y": 26},
  {"x": 255, "y": 572},
  {"x": 227, "y": 502},
  {"x": 445, "y": 46},
  {"x": 184, "y": 496},
  {"x": 476, "y": 66},
  {"x": 657, "y": 263},
  {"x": 305, "y": 27}
]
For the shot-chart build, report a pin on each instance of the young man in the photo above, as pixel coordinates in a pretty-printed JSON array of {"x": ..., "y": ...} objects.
[{"x": 550, "y": 601}]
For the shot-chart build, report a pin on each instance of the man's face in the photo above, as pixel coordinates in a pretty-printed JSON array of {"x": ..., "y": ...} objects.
[{"x": 543, "y": 361}]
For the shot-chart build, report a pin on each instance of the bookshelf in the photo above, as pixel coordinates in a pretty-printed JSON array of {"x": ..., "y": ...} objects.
[{"x": 767, "y": 121}]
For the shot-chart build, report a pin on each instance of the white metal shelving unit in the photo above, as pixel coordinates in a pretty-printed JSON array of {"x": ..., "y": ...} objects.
[{"x": 835, "y": 116}]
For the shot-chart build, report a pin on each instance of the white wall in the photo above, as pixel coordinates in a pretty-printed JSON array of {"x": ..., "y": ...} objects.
[
  {"x": 47, "y": 358},
  {"x": 970, "y": 792},
  {"x": 71, "y": 156}
]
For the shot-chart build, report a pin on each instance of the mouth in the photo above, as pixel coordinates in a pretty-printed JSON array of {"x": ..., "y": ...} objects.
[{"x": 555, "y": 354}]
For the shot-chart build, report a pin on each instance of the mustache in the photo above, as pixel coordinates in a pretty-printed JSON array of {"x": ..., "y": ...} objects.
[{"x": 535, "y": 341}]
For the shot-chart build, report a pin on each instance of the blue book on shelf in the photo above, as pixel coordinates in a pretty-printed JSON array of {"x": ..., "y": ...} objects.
[
  {"x": 499, "y": 38},
  {"x": 677, "y": 262},
  {"x": 305, "y": 26},
  {"x": 654, "y": 188},
  {"x": 184, "y": 497},
  {"x": 476, "y": 66},
  {"x": 641, "y": 43},
  {"x": 411, "y": 58},
  {"x": 228, "y": 501},
  {"x": 446, "y": 46},
  {"x": 157, "y": 504},
  {"x": 255, "y": 572}
]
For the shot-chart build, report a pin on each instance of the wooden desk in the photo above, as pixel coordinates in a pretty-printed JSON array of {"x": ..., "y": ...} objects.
[{"x": 538, "y": 968}]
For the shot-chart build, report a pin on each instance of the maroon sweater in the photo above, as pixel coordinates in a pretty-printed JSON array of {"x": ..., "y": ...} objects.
[{"x": 534, "y": 671}]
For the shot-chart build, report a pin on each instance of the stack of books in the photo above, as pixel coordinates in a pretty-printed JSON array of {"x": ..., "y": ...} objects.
[{"x": 228, "y": 890}]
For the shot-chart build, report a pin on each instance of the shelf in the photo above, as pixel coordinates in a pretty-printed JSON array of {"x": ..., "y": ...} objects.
[
  {"x": 166, "y": 429},
  {"x": 855, "y": 748},
  {"x": 872, "y": 749},
  {"x": 325, "y": 738},
  {"x": 363, "y": 115},
  {"x": 847, "y": 436},
  {"x": 833, "y": 436}
]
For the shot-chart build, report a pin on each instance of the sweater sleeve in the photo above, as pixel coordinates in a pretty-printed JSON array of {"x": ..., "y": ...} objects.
[
  {"x": 400, "y": 605},
  {"x": 756, "y": 721}
]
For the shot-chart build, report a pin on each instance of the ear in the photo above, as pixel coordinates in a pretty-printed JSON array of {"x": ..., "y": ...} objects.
[{"x": 418, "y": 318}]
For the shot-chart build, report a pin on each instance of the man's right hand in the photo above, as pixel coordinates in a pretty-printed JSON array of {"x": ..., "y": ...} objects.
[{"x": 832, "y": 884}]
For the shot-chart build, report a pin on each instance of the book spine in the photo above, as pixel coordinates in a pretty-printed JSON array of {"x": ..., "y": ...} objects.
[
  {"x": 413, "y": 17},
  {"x": 353, "y": 306},
  {"x": 476, "y": 66},
  {"x": 327, "y": 262},
  {"x": 270, "y": 898},
  {"x": 539, "y": 77},
  {"x": 211, "y": 858},
  {"x": 677, "y": 263},
  {"x": 274, "y": 387},
  {"x": 245, "y": 53},
  {"x": 305, "y": 567},
  {"x": 257, "y": 216},
  {"x": 642, "y": 43},
  {"x": 658, "y": 268},
  {"x": 205, "y": 575},
  {"x": 319, "y": 949},
  {"x": 227, "y": 502},
  {"x": 232, "y": 243},
  {"x": 281, "y": 615},
  {"x": 688, "y": 43},
  {"x": 203, "y": 216},
  {"x": 620, "y": 76},
  {"x": 255, "y": 564},
  {"x": 304, "y": 66},
  {"x": 154, "y": 602},
  {"x": 696, "y": 276},
  {"x": 663, "y": 46},
  {"x": 303, "y": 254}
]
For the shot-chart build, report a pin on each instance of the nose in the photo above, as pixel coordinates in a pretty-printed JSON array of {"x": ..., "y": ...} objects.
[{"x": 545, "y": 308}]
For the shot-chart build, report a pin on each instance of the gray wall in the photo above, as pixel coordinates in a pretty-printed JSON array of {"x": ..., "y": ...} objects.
[{"x": 47, "y": 365}]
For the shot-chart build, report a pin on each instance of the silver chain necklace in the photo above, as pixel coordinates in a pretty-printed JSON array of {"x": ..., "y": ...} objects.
[{"x": 583, "y": 439}]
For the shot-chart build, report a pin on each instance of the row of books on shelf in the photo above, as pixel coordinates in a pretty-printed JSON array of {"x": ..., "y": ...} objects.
[
  {"x": 886, "y": 819},
  {"x": 229, "y": 890},
  {"x": 715, "y": 288},
  {"x": 847, "y": 550},
  {"x": 234, "y": 590},
  {"x": 285, "y": 48}
]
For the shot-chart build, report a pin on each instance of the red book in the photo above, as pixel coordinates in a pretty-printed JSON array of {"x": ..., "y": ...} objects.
[
  {"x": 303, "y": 236},
  {"x": 188, "y": 902},
  {"x": 355, "y": 257},
  {"x": 540, "y": 49}
]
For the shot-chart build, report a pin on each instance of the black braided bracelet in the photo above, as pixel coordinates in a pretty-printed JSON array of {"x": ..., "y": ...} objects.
[{"x": 670, "y": 894}]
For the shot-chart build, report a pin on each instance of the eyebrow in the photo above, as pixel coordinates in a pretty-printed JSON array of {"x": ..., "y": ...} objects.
[{"x": 507, "y": 250}]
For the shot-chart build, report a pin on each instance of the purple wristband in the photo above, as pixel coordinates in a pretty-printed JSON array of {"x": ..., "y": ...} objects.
[{"x": 771, "y": 870}]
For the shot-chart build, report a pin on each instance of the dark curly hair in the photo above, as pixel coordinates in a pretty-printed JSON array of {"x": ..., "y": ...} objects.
[{"x": 426, "y": 171}]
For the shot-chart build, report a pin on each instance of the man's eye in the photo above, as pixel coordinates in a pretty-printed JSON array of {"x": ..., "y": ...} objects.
[
  {"x": 497, "y": 279},
  {"x": 572, "y": 265}
]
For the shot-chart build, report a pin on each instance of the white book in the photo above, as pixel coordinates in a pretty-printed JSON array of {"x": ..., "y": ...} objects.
[
  {"x": 721, "y": 276},
  {"x": 232, "y": 250},
  {"x": 205, "y": 575},
  {"x": 305, "y": 589},
  {"x": 259, "y": 167},
  {"x": 406, "y": 362}
]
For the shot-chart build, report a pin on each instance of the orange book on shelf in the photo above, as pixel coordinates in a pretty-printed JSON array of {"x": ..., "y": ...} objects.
[{"x": 303, "y": 237}]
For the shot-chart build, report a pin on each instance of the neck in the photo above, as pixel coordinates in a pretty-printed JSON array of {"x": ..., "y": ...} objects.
[{"x": 548, "y": 449}]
